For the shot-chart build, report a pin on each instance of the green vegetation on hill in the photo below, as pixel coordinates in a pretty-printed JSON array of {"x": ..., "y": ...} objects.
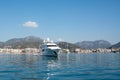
[
  {"x": 115, "y": 46},
  {"x": 66, "y": 45},
  {"x": 94, "y": 44},
  {"x": 35, "y": 42},
  {"x": 27, "y": 42}
]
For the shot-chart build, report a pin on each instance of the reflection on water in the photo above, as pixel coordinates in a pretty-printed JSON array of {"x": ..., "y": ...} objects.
[
  {"x": 66, "y": 66},
  {"x": 26, "y": 66}
]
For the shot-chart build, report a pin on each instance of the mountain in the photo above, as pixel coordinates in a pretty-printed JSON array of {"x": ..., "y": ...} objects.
[
  {"x": 1, "y": 44},
  {"x": 115, "y": 45},
  {"x": 66, "y": 45},
  {"x": 35, "y": 42},
  {"x": 94, "y": 44},
  {"x": 27, "y": 42}
]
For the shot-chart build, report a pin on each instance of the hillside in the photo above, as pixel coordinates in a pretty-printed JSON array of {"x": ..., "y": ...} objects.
[
  {"x": 35, "y": 42},
  {"x": 32, "y": 42},
  {"x": 27, "y": 42},
  {"x": 93, "y": 44},
  {"x": 115, "y": 45},
  {"x": 66, "y": 45},
  {"x": 1, "y": 44}
]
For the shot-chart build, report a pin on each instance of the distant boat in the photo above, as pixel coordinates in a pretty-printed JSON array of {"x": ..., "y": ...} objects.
[{"x": 49, "y": 48}]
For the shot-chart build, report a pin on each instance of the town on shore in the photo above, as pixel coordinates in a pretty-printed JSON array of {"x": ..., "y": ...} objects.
[{"x": 77, "y": 50}]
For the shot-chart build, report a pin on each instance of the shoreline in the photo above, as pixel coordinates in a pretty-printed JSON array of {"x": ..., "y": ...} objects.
[{"x": 35, "y": 50}]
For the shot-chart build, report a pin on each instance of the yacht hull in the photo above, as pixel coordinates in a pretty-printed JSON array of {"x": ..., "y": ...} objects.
[{"x": 51, "y": 52}]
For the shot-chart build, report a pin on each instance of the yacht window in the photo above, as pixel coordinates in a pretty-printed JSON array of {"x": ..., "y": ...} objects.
[
  {"x": 42, "y": 49},
  {"x": 51, "y": 45}
]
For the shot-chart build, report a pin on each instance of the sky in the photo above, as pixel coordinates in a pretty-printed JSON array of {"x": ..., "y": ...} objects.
[{"x": 68, "y": 20}]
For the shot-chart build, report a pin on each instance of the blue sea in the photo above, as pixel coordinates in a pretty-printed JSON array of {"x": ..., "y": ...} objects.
[{"x": 72, "y": 66}]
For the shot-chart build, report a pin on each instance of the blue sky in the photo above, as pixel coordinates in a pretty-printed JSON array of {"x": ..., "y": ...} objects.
[{"x": 69, "y": 20}]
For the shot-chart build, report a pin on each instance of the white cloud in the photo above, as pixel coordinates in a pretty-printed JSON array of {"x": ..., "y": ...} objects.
[{"x": 30, "y": 24}]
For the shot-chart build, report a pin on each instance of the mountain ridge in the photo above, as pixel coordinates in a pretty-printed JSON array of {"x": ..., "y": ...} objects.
[
  {"x": 117, "y": 45},
  {"x": 29, "y": 41},
  {"x": 35, "y": 42},
  {"x": 94, "y": 44}
]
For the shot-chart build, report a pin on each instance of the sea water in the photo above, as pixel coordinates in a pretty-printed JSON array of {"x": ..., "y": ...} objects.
[{"x": 72, "y": 66}]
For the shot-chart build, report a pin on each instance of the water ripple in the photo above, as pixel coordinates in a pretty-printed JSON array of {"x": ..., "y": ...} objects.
[{"x": 66, "y": 66}]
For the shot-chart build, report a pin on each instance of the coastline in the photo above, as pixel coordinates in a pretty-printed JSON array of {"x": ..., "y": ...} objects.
[{"x": 35, "y": 50}]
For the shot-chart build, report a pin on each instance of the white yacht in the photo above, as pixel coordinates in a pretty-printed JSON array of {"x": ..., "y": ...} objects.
[{"x": 49, "y": 48}]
